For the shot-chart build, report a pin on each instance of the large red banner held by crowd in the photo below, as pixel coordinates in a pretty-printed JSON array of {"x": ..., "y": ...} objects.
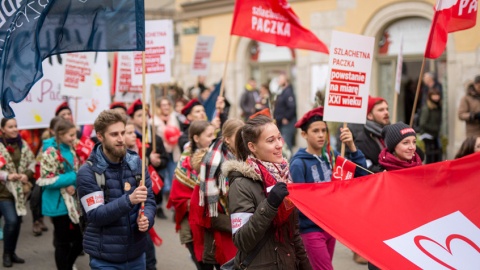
[
  {"x": 450, "y": 16},
  {"x": 273, "y": 21},
  {"x": 427, "y": 217}
]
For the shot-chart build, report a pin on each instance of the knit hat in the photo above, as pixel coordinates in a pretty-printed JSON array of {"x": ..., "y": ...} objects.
[
  {"x": 395, "y": 133},
  {"x": 188, "y": 108},
  {"x": 310, "y": 117},
  {"x": 372, "y": 101},
  {"x": 61, "y": 107}
]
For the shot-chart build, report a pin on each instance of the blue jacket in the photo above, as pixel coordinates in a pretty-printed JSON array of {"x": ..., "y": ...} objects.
[
  {"x": 112, "y": 233},
  {"x": 53, "y": 204},
  {"x": 308, "y": 168}
]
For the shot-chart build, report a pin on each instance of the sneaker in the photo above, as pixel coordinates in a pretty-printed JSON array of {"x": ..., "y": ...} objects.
[{"x": 37, "y": 228}]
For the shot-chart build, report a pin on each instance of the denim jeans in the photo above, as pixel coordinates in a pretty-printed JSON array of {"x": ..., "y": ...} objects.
[
  {"x": 168, "y": 173},
  {"x": 136, "y": 264},
  {"x": 11, "y": 228}
]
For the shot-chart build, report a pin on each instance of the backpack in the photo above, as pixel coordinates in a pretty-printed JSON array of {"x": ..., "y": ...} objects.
[{"x": 100, "y": 178}]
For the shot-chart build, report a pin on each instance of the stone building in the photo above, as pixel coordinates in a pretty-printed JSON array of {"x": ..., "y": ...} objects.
[{"x": 386, "y": 20}]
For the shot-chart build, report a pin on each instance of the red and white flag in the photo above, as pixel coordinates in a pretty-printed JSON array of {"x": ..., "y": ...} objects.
[
  {"x": 273, "y": 21},
  {"x": 427, "y": 217},
  {"x": 450, "y": 16},
  {"x": 344, "y": 169}
]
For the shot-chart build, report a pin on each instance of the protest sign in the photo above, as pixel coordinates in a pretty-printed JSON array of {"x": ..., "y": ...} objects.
[
  {"x": 350, "y": 68},
  {"x": 125, "y": 91},
  {"x": 77, "y": 81},
  {"x": 201, "y": 58}
]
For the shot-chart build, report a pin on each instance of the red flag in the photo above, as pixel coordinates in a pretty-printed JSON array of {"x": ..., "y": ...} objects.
[
  {"x": 344, "y": 169},
  {"x": 427, "y": 217},
  {"x": 450, "y": 16},
  {"x": 157, "y": 182},
  {"x": 273, "y": 21}
]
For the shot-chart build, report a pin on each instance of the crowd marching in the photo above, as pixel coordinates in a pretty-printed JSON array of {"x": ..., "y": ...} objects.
[{"x": 224, "y": 178}]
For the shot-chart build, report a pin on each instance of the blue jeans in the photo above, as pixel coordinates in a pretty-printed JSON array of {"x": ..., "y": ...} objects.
[
  {"x": 136, "y": 264},
  {"x": 168, "y": 173},
  {"x": 11, "y": 228}
]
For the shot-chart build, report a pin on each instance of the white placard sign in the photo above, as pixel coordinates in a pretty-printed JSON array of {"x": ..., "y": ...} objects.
[
  {"x": 125, "y": 91},
  {"x": 77, "y": 74},
  {"x": 158, "y": 40},
  {"x": 38, "y": 108},
  {"x": 350, "y": 67},
  {"x": 201, "y": 57}
]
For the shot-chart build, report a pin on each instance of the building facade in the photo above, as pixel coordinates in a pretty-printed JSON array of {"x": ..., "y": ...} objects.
[{"x": 389, "y": 21}]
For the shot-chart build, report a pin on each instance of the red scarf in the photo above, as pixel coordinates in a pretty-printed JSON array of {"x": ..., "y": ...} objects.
[{"x": 392, "y": 163}]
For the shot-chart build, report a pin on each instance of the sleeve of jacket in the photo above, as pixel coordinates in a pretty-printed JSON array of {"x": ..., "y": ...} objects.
[
  {"x": 297, "y": 171},
  {"x": 464, "y": 107},
  {"x": 104, "y": 214},
  {"x": 163, "y": 153},
  {"x": 359, "y": 159},
  {"x": 241, "y": 201},
  {"x": 300, "y": 252},
  {"x": 244, "y": 103},
  {"x": 222, "y": 223},
  {"x": 150, "y": 205},
  {"x": 183, "y": 140},
  {"x": 424, "y": 115}
]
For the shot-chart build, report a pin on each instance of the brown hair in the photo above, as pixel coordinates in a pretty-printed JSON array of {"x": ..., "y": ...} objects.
[
  {"x": 159, "y": 101},
  {"x": 231, "y": 126},
  {"x": 106, "y": 119},
  {"x": 196, "y": 128},
  {"x": 5, "y": 120},
  {"x": 467, "y": 147},
  {"x": 250, "y": 132},
  {"x": 62, "y": 127}
]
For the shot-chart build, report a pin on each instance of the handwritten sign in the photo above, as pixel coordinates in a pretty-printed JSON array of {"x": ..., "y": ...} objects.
[
  {"x": 350, "y": 68},
  {"x": 77, "y": 81}
]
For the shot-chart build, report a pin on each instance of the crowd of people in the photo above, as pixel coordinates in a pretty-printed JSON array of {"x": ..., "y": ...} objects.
[{"x": 225, "y": 178}]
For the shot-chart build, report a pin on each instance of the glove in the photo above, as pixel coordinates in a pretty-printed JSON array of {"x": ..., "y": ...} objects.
[
  {"x": 477, "y": 116},
  {"x": 276, "y": 195}
]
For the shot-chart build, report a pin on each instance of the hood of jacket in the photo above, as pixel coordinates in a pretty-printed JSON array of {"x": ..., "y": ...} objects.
[
  {"x": 303, "y": 154},
  {"x": 100, "y": 162},
  {"x": 241, "y": 167}
]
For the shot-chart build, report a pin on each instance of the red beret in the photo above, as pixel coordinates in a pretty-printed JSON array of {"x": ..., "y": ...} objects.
[
  {"x": 265, "y": 112},
  {"x": 188, "y": 108},
  {"x": 372, "y": 101},
  {"x": 136, "y": 105},
  {"x": 309, "y": 115},
  {"x": 62, "y": 107},
  {"x": 117, "y": 104}
]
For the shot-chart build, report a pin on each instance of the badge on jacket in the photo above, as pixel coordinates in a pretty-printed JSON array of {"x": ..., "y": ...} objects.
[{"x": 127, "y": 186}]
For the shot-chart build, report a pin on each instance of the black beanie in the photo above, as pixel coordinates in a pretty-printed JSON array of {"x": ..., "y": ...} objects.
[{"x": 394, "y": 134}]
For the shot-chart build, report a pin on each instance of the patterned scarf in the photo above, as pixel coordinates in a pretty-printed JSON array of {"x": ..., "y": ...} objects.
[
  {"x": 213, "y": 185},
  {"x": 271, "y": 173}
]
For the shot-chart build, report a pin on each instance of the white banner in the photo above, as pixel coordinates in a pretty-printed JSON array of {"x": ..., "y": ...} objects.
[
  {"x": 38, "y": 108},
  {"x": 158, "y": 51},
  {"x": 201, "y": 58},
  {"x": 77, "y": 72},
  {"x": 350, "y": 67}
]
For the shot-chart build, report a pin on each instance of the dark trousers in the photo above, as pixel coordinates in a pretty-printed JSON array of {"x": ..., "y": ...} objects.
[
  {"x": 288, "y": 133},
  {"x": 433, "y": 152},
  {"x": 11, "y": 229},
  {"x": 67, "y": 240},
  {"x": 150, "y": 259},
  {"x": 36, "y": 202}
]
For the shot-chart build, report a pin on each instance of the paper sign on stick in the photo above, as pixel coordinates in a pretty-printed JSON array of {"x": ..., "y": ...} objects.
[
  {"x": 158, "y": 40},
  {"x": 350, "y": 66},
  {"x": 201, "y": 58},
  {"x": 78, "y": 69}
]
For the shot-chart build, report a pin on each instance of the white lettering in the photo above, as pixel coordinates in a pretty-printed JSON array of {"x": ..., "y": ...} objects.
[{"x": 92, "y": 200}]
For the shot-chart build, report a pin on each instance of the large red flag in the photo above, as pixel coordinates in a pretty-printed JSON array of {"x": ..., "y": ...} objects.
[
  {"x": 450, "y": 16},
  {"x": 273, "y": 21},
  {"x": 426, "y": 217}
]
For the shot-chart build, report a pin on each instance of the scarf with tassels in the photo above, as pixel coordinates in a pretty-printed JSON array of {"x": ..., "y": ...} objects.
[
  {"x": 271, "y": 173},
  {"x": 213, "y": 185}
]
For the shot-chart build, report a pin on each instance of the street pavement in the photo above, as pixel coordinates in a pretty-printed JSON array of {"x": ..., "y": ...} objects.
[{"x": 39, "y": 253}]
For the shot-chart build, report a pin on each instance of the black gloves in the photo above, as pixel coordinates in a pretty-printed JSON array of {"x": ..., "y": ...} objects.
[
  {"x": 276, "y": 195},
  {"x": 477, "y": 116}
]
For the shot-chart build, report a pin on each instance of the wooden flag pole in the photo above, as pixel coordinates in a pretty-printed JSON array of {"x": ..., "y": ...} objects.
[
  {"x": 417, "y": 93},
  {"x": 76, "y": 111},
  {"x": 395, "y": 105},
  {"x": 342, "y": 149},
  {"x": 222, "y": 85},
  {"x": 144, "y": 124},
  {"x": 154, "y": 111}
]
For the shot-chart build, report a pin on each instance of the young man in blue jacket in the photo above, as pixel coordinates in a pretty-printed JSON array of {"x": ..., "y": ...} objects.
[
  {"x": 314, "y": 164},
  {"x": 115, "y": 234}
]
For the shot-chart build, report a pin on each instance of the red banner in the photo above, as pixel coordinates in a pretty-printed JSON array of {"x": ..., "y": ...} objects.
[
  {"x": 450, "y": 16},
  {"x": 427, "y": 217},
  {"x": 273, "y": 21},
  {"x": 344, "y": 169},
  {"x": 157, "y": 182},
  {"x": 83, "y": 148}
]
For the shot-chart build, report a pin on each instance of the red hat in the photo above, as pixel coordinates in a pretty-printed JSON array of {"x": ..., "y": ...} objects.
[
  {"x": 62, "y": 107},
  {"x": 137, "y": 105},
  {"x": 372, "y": 101},
  {"x": 188, "y": 108},
  {"x": 118, "y": 104},
  {"x": 310, "y": 117},
  {"x": 265, "y": 112}
]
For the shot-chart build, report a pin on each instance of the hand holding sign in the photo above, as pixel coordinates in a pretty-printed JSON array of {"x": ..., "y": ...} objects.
[{"x": 347, "y": 138}]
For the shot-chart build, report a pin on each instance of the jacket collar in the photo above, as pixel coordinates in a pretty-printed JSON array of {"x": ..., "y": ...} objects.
[
  {"x": 241, "y": 167},
  {"x": 100, "y": 163}
]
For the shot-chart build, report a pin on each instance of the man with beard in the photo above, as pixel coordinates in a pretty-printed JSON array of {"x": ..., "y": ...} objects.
[{"x": 116, "y": 228}]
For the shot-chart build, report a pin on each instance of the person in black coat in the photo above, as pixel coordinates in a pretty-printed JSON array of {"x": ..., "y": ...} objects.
[{"x": 285, "y": 113}]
